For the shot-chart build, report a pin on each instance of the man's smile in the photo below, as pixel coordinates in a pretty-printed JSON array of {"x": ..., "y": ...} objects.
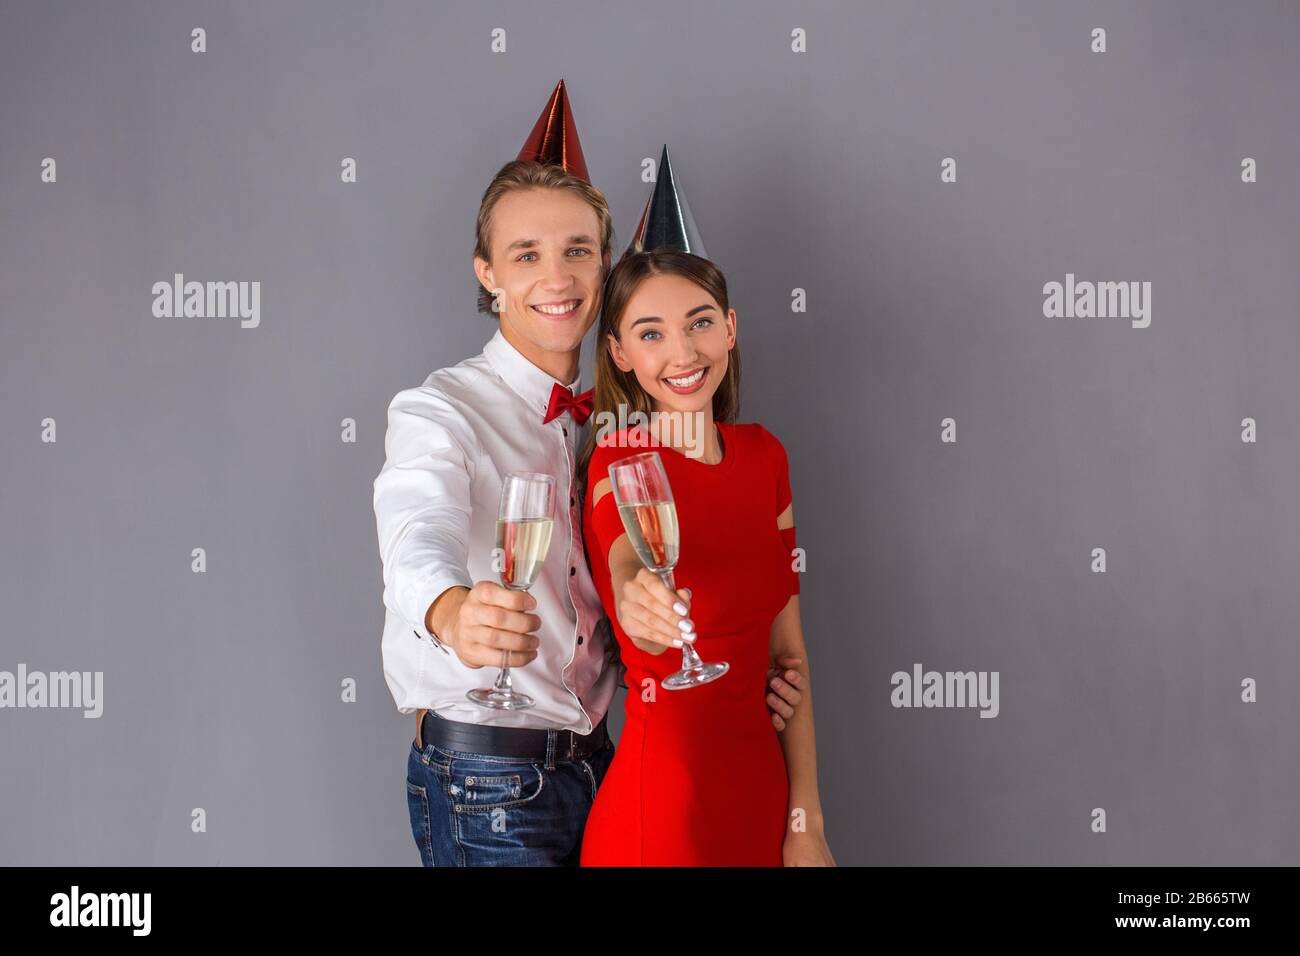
[{"x": 560, "y": 309}]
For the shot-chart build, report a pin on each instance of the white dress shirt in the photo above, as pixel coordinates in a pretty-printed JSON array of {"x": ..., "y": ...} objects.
[{"x": 450, "y": 443}]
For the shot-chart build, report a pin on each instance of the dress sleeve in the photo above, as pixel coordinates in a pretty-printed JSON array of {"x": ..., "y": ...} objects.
[
  {"x": 606, "y": 524},
  {"x": 780, "y": 470},
  {"x": 781, "y": 474}
]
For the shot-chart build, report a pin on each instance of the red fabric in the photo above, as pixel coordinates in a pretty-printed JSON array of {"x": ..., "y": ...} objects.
[
  {"x": 562, "y": 400},
  {"x": 699, "y": 778}
]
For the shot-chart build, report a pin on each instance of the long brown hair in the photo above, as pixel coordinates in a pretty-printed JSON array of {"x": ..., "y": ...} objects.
[
  {"x": 614, "y": 387},
  {"x": 526, "y": 174}
]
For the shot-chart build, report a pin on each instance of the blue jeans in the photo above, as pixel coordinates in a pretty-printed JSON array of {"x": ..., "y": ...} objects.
[{"x": 482, "y": 810}]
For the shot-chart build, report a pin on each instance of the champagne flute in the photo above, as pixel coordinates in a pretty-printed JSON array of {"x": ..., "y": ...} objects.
[
  {"x": 645, "y": 503},
  {"x": 524, "y": 522}
]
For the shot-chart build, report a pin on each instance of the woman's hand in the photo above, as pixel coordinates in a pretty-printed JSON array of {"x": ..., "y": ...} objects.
[
  {"x": 652, "y": 617},
  {"x": 806, "y": 848}
]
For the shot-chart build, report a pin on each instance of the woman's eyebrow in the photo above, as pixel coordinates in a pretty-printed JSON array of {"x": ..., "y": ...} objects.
[{"x": 706, "y": 307}]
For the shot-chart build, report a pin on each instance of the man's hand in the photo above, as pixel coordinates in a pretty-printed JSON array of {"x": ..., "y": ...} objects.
[
  {"x": 482, "y": 622},
  {"x": 783, "y": 696}
]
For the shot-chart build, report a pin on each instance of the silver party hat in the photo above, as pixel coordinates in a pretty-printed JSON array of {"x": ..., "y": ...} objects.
[{"x": 666, "y": 222}]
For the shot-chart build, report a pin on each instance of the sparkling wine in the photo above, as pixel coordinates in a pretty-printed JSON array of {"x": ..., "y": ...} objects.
[
  {"x": 640, "y": 487},
  {"x": 652, "y": 528},
  {"x": 522, "y": 546}
]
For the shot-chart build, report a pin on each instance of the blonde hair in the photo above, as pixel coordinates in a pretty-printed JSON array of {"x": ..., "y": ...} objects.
[{"x": 522, "y": 174}]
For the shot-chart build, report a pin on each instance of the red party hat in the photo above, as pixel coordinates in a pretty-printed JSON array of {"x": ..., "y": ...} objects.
[{"x": 554, "y": 139}]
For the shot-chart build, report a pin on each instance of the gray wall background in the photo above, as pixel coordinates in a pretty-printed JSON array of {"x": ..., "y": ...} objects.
[{"x": 818, "y": 170}]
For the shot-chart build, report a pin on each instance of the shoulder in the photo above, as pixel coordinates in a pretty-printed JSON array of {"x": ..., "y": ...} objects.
[
  {"x": 459, "y": 383},
  {"x": 439, "y": 409},
  {"x": 451, "y": 391},
  {"x": 613, "y": 445},
  {"x": 426, "y": 401},
  {"x": 760, "y": 439},
  {"x": 609, "y": 448}
]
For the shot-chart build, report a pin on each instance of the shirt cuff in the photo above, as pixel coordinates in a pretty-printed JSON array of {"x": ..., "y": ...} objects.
[{"x": 414, "y": 601}]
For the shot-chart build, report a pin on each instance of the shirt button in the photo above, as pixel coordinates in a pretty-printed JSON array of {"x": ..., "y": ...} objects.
[
  {"x": 566, "y": 431},
  {"x": 572, "y": 571},
  {"x": 571, "y": 501},
  {"x": 579, "y": 638}
]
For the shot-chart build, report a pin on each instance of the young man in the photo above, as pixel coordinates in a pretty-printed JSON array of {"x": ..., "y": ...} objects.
[{"x": 488, "y": 786}]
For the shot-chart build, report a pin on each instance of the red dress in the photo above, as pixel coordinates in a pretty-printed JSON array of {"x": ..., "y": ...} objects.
[{"x": 699, "y": 777}]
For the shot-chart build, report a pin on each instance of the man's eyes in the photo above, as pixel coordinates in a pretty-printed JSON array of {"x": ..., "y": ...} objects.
[{"x": 583, "y": 250}]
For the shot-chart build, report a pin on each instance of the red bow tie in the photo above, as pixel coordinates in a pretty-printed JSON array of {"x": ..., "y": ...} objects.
[{"x": 562, "y": 400}]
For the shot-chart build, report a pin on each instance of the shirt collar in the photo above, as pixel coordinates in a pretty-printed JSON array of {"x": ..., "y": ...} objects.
[{"x": 530, "y": 382}]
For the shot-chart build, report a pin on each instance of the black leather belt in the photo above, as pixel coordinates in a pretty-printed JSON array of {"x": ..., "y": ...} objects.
[{"x": 511, "y": 741}]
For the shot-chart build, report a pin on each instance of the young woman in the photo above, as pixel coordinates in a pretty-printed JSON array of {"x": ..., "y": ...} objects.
[{"x": 700, "y": 776}]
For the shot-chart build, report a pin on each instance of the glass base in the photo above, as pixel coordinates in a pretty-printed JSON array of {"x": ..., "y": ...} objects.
[
  {"x": 500, "y": 699},
  {"x": 695, "y": 676}
]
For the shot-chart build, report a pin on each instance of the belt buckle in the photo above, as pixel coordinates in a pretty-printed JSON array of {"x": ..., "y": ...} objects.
[{"x": 573, "y": 745}]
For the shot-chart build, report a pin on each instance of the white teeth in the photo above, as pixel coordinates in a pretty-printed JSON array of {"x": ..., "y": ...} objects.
[
  {"x": 557, "y": 309},
  {"x": 688, "y": 381}
]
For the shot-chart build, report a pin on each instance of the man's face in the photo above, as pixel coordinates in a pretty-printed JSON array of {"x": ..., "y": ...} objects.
[{"x": 545, "y": 247}]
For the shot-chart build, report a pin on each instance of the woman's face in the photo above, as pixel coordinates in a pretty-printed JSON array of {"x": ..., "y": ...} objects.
[{"x": 676, "y": 340}]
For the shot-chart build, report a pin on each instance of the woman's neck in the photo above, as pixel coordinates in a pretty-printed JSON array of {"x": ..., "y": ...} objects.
[{"x": 691, "y": 433}]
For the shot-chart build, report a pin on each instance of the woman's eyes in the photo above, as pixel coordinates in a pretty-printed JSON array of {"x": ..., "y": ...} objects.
[{"x": 695, "y": 324}]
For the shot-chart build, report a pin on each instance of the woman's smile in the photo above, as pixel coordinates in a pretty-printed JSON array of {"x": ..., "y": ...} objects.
[{"x": 689, "y": 383}]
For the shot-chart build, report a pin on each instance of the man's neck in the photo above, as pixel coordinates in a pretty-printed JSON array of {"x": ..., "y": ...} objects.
[{"x": 561, "y": 366}]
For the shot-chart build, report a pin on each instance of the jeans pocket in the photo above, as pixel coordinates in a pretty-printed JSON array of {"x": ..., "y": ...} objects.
[
  {"x": 476, "y": 785},
  {"x": 417, "y": 805}
]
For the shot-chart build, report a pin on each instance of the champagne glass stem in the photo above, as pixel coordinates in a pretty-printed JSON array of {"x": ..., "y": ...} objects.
[
  {"x": 690, "y": 659},
  {"x": 503, "y": 677}
]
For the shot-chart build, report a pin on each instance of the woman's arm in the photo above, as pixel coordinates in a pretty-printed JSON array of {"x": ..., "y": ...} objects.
[
  {"x": 805, "y": 842},
  {"x": 646, "y": 609}
]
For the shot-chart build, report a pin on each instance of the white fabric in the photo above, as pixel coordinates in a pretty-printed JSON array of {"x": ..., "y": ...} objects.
[{"x": 449, "y": 444}]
